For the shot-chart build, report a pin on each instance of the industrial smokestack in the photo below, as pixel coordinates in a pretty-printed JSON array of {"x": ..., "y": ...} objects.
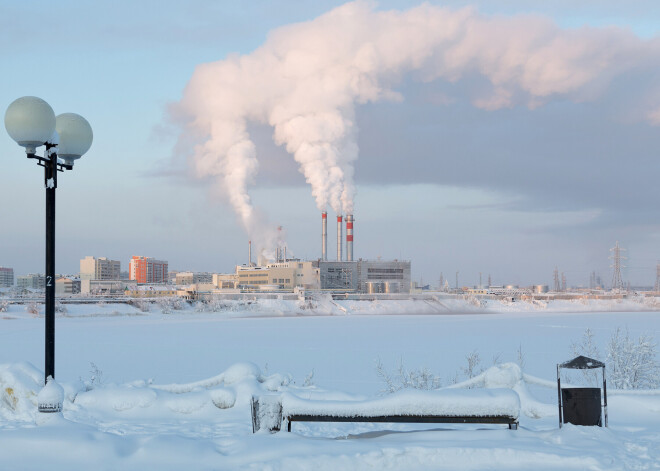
[
  {"x": 339, "y": 221},
  {"x": 324, "y": 235},
  {"x": 349, "y": 237},
  {"x": 249, "y": 253}
]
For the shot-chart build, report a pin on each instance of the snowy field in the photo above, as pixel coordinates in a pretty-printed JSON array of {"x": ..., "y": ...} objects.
[{"x": 172, "y": 390}]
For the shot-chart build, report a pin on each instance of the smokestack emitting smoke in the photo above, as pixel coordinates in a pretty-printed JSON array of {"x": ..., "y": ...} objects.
[
  {"x": 339, "y": 224},
  {"x": 349, "y": 237},
  {"x": 307, "y": 78},
  {"x": 324, "y": 235},
  {"x": 249, "y": 253}
]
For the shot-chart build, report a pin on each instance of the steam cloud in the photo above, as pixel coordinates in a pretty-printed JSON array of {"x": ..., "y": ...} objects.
[{"x": 306, "y": 80}]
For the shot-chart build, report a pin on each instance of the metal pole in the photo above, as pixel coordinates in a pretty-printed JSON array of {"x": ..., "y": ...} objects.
[
  {"x": 559, "y": 396},
  {"x": 50, "y": 173},
  {"x": 605, "y": 395}
]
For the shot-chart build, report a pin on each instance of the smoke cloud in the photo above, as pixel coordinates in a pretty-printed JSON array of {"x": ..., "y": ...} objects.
[{"x": 307, "y": 79}]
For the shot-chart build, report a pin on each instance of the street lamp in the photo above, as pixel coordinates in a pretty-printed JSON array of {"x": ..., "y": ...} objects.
[{"x": 31, "y": 122}]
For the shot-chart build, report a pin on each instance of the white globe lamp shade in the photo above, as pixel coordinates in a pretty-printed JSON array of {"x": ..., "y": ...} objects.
[
  {"x": 75, "y": 137},
  {"x": 30, "y": 121}
]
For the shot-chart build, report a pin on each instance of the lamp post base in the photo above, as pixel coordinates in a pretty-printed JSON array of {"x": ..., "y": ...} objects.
[{"x": 50, "y": 398}]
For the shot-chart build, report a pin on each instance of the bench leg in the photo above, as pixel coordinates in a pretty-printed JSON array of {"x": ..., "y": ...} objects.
[
  {"x": 513, "y": 426},
  {"x": 288, "y": 426}
]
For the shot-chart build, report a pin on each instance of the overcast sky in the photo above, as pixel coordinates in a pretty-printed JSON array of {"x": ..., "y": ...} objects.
[{"x": 477, "y": 170}]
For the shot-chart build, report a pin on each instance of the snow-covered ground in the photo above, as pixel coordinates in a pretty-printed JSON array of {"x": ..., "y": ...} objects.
[{"x": 172, "y": 390}]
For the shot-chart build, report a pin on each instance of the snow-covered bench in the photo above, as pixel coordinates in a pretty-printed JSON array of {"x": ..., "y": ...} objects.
[{"x": 464, "y": 406}]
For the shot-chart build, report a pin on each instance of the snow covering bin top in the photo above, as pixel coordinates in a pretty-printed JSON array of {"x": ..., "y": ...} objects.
[{"x": 582, "y": 363}]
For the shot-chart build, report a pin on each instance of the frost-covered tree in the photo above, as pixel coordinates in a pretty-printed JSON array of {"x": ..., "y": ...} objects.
[
  {"x": 632, "y": 362},
  {"x": 587, "y": 347},
  {"x": 420, "y": 378},
  {"x": 473, "y": 365}
]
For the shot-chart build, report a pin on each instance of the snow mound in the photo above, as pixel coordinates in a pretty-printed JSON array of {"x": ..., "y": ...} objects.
[
  {"x": 118, "y": 398},
  {"x": 19, "y": 384}
]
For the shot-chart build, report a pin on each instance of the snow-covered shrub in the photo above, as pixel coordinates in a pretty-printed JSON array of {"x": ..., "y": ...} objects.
[
  {"x": 200, "y": 306},
  {"x": 309, "y": 380},
  {"x": 473, "y": 365},
  {"x": 216, "y": 304},
  {"x": 95, "y": 379},
  {"x": 32, "y": 308},
  {"x": 4, "y": 305},
  {"x": 632, "y": 362},
  {"x": 169, "y": 304},
  {"x": 141, "y": 304},
  {"x": 403, "y": 378},
  {"x": 587, "y": 347},
  {"x": 60, "y": 308}
]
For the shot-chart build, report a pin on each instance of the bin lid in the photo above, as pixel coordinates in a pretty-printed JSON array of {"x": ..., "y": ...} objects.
[{"x": 582, "y": 363}]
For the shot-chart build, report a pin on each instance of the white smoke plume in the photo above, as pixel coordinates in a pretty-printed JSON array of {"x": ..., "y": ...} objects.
[{"x": 307, "y": 78}]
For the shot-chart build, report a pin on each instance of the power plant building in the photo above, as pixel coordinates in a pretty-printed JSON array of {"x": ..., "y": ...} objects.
[
  {"x": 285, "y": 275},
  {"x": 366, "y": 276}
]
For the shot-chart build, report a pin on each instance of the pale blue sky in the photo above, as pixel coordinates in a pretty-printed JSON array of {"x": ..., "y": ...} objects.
[{"x": 121, "y": 63}]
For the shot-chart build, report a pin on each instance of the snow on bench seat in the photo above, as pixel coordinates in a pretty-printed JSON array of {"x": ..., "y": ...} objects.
[{"x": 445, "y": 403}]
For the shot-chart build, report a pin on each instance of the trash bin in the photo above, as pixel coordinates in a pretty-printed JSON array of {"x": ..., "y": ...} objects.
[{"x": 582, "y": 406}]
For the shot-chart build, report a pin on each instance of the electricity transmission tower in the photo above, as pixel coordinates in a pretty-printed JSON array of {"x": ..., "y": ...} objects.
[
  {"x": 657, "y": 277},
  {"x": 616, "y": 257},
  {"x": 557, "y": 286}
]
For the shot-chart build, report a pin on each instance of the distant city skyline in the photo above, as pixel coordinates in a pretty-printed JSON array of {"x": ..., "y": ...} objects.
[{"x": 511, "y": 188}]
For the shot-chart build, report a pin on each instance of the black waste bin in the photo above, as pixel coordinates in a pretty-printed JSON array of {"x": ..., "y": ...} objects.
[{"x": 582, "y": 406}]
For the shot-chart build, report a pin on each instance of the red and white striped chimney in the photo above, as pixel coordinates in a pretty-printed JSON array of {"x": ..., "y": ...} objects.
[
  {"x": 339, "y": 231},
  {"x": 324, "y": 235},
  {"x": 349, "y": 237}
]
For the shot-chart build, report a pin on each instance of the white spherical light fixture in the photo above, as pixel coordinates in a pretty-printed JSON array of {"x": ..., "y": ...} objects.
[
  {"x": 30, "y": 121},
  {"x": 75, "y": 135}
]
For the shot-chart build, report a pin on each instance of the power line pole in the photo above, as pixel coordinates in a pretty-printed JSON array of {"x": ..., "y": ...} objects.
[
  {"x": 616, "y": 257},
  {"x": 557, "y": 286}
]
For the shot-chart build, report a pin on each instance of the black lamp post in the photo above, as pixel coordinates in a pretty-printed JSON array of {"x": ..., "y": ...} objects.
[{"x": 31, "y": 122}]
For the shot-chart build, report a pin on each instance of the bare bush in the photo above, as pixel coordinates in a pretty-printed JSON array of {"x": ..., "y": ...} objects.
[
  {"x": 473, "y": 367},
  {"x": 403, "y": 378},
  {"x": 32, "y": 308},
  {"x": 4, "y": 305}
]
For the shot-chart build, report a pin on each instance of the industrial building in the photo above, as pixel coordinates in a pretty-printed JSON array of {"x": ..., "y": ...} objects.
[
  {"x": 281, "y": 275},
  {"x": 366, "y": 276},
  {"x": 344, "y": 275}
]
